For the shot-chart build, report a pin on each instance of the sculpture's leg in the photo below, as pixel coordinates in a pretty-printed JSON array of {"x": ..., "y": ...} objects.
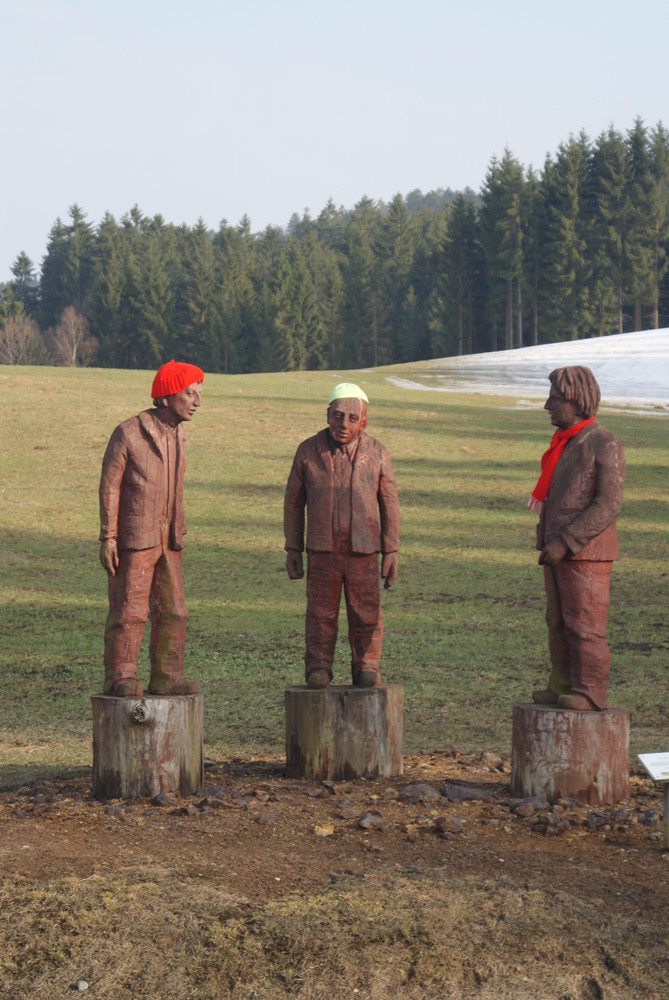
[
  {"x": 365, "y": 622},
  {"x": 325, "y": 572},
  {"x": 559, "y": 681},
  {"x": 584, "y": 595},
  {"x": 169, "y": 616},
  {"x": 128, "y": 611}
]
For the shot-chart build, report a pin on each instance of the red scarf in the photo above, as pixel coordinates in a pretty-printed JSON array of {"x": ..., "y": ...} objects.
[{"x": 549, "y": 460}]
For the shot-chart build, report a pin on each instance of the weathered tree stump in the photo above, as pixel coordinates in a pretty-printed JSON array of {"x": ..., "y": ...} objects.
[
  {"x": 344, "y": 732},
  {"x": 558, "y": 753},
  {"x": 142, "y": 747}
]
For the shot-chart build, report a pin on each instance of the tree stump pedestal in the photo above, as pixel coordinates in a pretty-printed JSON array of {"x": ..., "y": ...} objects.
[
  {"x": 558, "y": 752},
  {"x": 142, "y": 747},
  {"x": 342, "y": 732}
]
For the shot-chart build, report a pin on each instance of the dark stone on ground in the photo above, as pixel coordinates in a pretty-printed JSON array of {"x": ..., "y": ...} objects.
[
  {"x": 466, "y": 793},
  {"x": 418, "y": 792},
  {"x": 371, "y": 821}
]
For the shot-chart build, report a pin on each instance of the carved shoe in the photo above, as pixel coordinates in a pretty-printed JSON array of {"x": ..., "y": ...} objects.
[
  {"x": 318, "y": 679},
  {"x": 576, "y": 702},
  {"x": 127, "y": 689},
  {"x": 368, "y": 679},
  {"x": 182, "y": 686},
  {"x": 546, "y": 697}
]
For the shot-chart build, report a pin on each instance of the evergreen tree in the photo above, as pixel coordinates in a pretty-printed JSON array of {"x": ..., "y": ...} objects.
[
  {"x": 461, "y": 284},
  {"x": 80, "y": 260},
  {"x": 328, "y": 285},
  {"x": 426, "y": 278},
  {"x": 108, "y": 291},
  {"x": 285, "y": 347},
  {"x": 659, "y": 215},
  {"x": 397, "y": 244},
  {"x": 237, "y": 267},
  {"x": 533, "y": 250},
  {"x": 52, "y": 283},
  {"x": 268, "y": 279},
  {"x": 196, "y": 332},
  {"x": 365, "y": 340},
  {"x": 566, "y": 287},
  {"x": 640, "y": 235},
  {"x": 68, "y": 268},
  {"x": 502, "y": 238},
  {"x": 307, "y": 329},
  {"x": 25, "y": 285},
  {"x": 132, "y": 347},
  {"x": 330, "y": 226},
  {"x": 155, "y": 316},
  {"x": 609, "y": 211}
]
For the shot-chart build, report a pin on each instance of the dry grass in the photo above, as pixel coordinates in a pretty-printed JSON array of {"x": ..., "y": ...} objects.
[{"x": 404, "y": 933}]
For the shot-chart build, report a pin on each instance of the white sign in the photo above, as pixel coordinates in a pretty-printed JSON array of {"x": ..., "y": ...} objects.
[{"x": 657, "y": 765}]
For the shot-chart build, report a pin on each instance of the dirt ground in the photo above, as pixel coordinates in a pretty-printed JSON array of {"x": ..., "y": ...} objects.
[{"x": 257, "y": 836}]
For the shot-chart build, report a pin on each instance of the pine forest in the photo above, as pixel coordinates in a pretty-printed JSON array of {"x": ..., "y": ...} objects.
[{"x": 580, "y": 249}]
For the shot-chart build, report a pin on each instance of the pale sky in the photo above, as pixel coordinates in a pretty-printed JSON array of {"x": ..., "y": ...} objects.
[{"x": 216, "y": 109}]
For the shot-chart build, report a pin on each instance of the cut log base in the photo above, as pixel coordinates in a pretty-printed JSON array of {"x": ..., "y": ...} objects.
[
  {"x": 142, "y": 747},
  {"x": 558, "y": 753},
  {"x": 340, "y": 732}
]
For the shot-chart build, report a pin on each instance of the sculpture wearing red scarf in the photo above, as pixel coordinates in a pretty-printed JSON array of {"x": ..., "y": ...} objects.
[{"x": 549, "y": 460}]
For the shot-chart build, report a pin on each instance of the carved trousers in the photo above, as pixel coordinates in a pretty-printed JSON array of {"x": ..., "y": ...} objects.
[
  {"x": 148, "y": 582},
  {"x": 576, "y": 612},
  {"x": 327, "y": 572}
]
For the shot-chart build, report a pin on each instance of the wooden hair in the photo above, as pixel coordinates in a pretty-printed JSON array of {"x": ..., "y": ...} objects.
[{"x": 578, "y": 385}]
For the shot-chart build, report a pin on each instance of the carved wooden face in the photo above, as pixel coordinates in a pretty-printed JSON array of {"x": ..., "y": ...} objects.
[
  {"x": 182, "y": 405},
  {"x": 563, "y": 412},
  {"x": 347, "y": 418}
]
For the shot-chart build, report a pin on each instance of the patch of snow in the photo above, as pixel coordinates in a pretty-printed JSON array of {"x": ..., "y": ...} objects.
[{"x": 632, "y": 369}]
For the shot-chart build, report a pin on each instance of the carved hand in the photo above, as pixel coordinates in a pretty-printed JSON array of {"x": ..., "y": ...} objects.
[
  {"x": 294, "y": 566},
  {"x": 109, "y": 555},
  {"x": 389, "y": 569},
  {"x": 553, "y": 553}
]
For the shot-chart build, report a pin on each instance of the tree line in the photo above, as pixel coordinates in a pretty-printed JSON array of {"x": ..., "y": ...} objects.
[{"x": 579, "y": 249}]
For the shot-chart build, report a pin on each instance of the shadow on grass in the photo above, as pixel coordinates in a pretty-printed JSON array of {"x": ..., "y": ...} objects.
[{"x": 13, "y": 776}]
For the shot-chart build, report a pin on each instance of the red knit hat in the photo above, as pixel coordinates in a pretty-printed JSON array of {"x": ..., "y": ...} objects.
[{"x": 173, "y": 377}]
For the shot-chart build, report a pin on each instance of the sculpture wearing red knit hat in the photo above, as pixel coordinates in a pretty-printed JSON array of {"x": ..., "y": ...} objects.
[
  {"x": 141, "y": 534},
  {"x": 345, "y": 480}
]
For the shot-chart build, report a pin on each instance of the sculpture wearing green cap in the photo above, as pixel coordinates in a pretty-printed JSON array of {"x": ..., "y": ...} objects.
[
  {"x": 347, "y": 390},
  {"x": 344, "y": 480}
]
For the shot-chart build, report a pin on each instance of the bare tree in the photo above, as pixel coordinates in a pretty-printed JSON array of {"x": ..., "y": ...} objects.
[
  {"x": 70, "y": 343},
  {"x": 20, "y": 341}
]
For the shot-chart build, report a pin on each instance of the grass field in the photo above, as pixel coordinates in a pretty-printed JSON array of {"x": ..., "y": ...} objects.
[{"x": 464, "y": 628}]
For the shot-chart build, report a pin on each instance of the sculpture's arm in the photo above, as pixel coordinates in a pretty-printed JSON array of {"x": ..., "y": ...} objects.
[
  {"x": 293, "y": 519},
  {"x": 389, "y": 509},
  {"x": 607, "y": 501},
  {"x": 113, "y": 467}
]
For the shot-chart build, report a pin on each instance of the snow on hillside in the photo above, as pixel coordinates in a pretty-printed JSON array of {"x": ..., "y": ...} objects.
[{"x": 631, "y": 368}]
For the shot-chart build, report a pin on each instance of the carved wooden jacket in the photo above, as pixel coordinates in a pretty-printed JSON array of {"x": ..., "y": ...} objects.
[
  {"x": 373, "y": 496},
  {"x": 134, "y": 485},
  {"x": 585, "y": 496}
]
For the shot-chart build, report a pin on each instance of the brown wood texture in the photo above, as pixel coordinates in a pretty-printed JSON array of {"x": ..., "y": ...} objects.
[
  {"x": 344, "y": 732},
  {"x": 558, "y": 753},
  {"x": 142, "y": 747}
]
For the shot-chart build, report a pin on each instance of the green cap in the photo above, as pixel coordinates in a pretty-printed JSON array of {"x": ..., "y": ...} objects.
[{"x": 347, "y": 390}]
